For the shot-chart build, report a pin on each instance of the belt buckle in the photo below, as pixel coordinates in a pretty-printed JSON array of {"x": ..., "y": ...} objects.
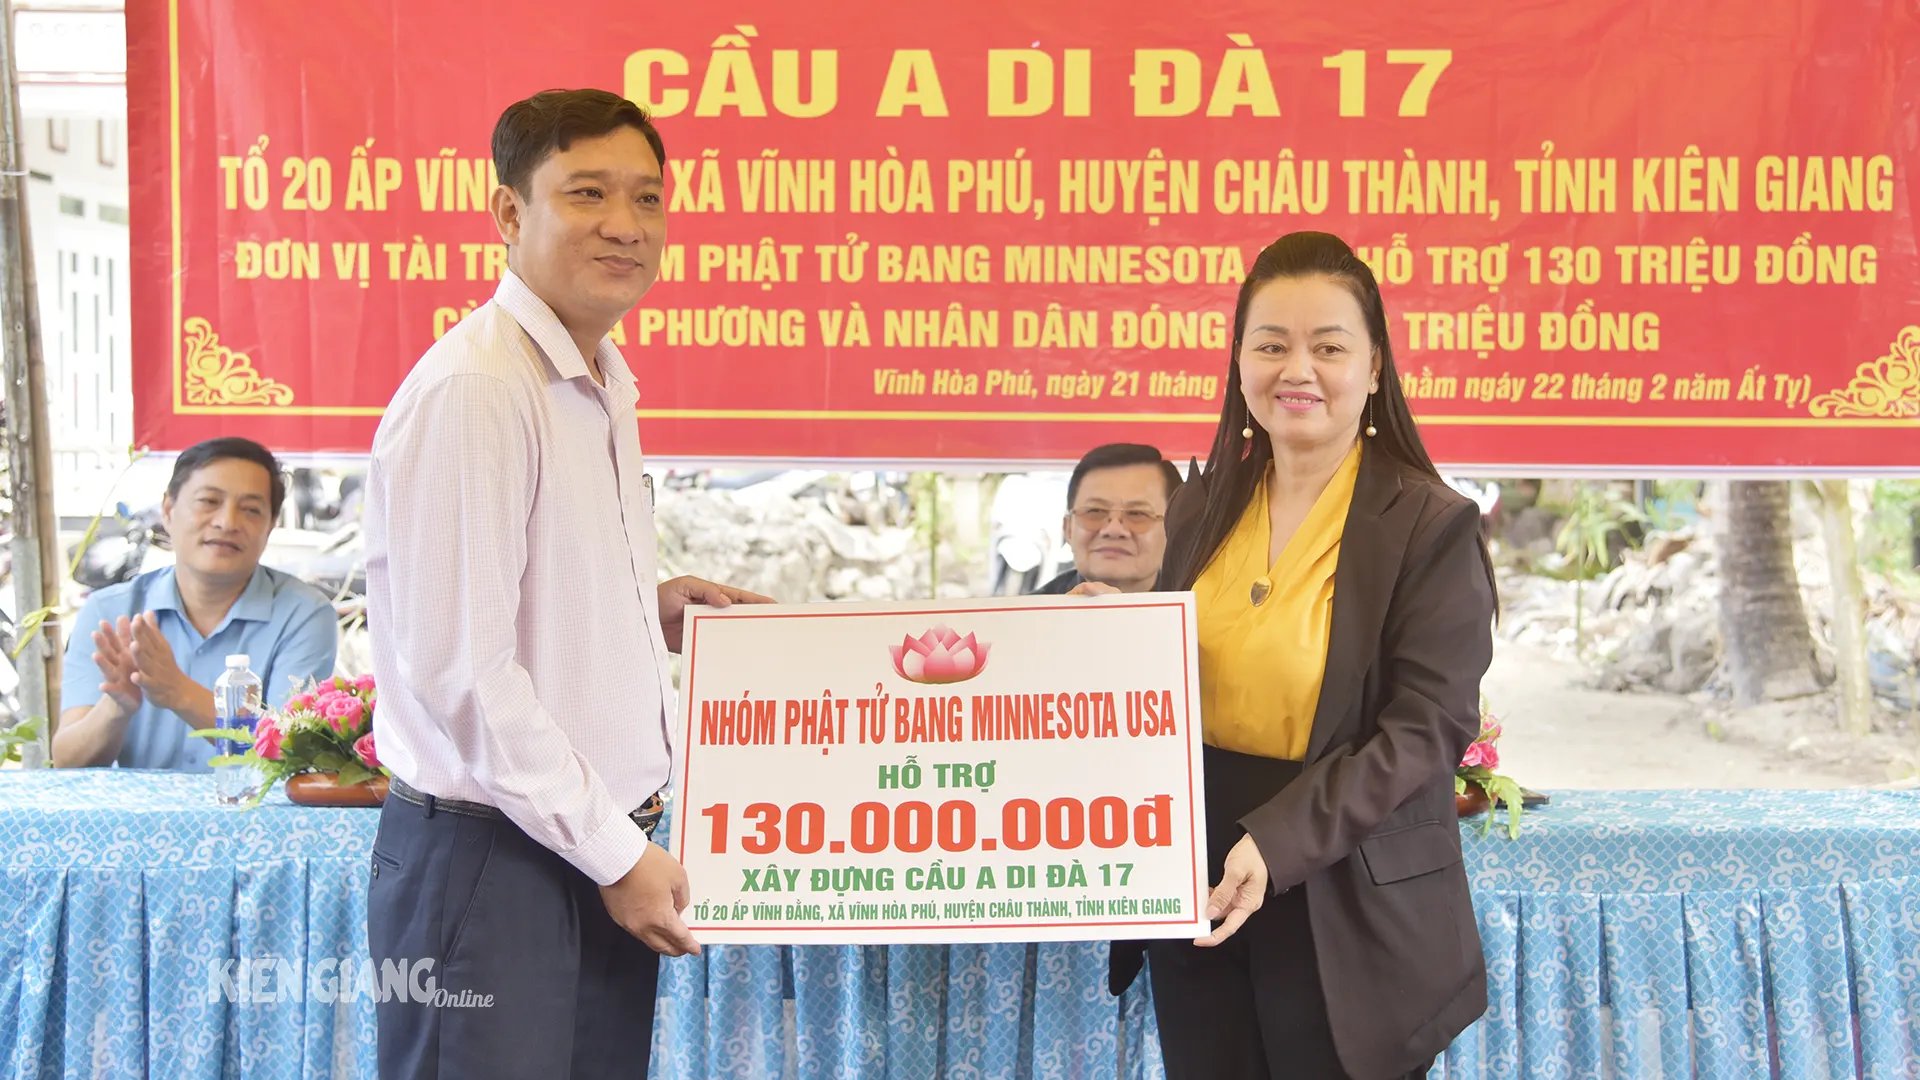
[{"x": 649, "y": 813}]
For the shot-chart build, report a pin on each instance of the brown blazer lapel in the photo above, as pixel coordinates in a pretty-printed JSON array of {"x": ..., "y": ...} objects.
[{"x": 1379, "y": 524}]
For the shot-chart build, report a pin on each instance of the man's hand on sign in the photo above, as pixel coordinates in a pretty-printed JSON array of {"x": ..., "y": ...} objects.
[
  {"x": 647, "y": 903},
  {"x": 1091, "y": 588},
  {"x": 677, "y": 594},
  {"x": 1242, "y": 889}
]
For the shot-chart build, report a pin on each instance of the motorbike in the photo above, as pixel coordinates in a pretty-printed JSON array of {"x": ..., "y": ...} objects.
[
  {"x": 9, "y": 677},
  {"x": 315, "y": 509},
  {"x": 1026, "y": 548},
  {"x": 129, "y": 543}
]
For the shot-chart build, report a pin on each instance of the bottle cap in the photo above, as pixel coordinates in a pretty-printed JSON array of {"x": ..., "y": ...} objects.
[{"x": 238, "y": 662}]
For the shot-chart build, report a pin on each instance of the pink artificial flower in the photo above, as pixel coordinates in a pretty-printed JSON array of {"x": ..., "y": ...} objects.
[
  {"x": 364, "y": 684},
  {"x": 344, "y": 712},
  {"x": 1481, "y": 754},
  {"x": 939, "y": 656},
  {"x": 267, "y": 738},
  {"x": 364, "y": 747}
]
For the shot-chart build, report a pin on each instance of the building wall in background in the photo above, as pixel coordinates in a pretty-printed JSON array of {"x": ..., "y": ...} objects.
[{"x": 72, "y": 61}]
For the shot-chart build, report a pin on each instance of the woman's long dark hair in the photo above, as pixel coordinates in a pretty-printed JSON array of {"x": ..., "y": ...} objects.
[{"x": 1231, "y": 479}]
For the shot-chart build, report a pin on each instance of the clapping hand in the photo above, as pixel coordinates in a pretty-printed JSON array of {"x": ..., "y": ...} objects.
[
  {"x": 113, "y": 652},
  {"x": 156, "y": 672}
]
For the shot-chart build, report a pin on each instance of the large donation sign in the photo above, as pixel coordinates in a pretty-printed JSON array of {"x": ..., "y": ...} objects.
[
  {"x": 1612, "y": 233},
  {"x": 1019, "y": 770}
]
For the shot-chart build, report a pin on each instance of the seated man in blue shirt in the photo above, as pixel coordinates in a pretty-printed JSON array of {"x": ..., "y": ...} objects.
[{"x": 143, "y": 678}]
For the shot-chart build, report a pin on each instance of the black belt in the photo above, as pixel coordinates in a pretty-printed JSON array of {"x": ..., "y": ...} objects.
[{"x": 647, "y": 816}]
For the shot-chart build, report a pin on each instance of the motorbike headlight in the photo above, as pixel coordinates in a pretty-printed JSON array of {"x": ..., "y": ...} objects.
[{"x": 1019, "y": 553}]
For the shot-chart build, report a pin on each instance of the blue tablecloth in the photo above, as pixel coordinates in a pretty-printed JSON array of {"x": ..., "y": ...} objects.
[{"x": 1627, "y": 933}]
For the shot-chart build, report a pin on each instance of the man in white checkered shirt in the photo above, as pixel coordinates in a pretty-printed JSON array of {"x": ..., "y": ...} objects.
[{"x": 520, "y": 640}]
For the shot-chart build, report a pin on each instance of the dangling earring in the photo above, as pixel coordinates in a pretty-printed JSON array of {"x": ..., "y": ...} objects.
[
  {"x": 1246, "y": 441},
  {"x": 1247, "y": 432},
  {"x": 1371, "y": 430}
]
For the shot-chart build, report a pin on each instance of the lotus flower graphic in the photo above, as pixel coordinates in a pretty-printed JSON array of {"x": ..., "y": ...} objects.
[{"x": 939, "y": 656}]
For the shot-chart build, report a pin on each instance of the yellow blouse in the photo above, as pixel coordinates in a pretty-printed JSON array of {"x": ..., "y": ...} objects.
[{"x": 1261, "y": 665}]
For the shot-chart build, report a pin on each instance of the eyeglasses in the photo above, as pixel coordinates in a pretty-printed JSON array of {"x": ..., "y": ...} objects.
[{"x": 1095, "y": 518}]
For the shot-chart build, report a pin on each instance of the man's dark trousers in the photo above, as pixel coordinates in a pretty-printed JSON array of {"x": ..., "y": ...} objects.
[{"x": 532, "y": 977}]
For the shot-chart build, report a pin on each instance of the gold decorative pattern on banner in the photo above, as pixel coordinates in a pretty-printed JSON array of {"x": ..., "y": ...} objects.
[
  {"x": 1889, "y": 386},
  {"x": 216, "y": 375}
]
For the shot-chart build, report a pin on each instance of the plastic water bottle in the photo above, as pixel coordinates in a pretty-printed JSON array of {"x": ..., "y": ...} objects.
[{"x": 236, "y": 704}]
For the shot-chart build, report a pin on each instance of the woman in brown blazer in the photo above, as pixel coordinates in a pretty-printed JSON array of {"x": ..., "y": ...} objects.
[{"x": 1333, "y": 716}]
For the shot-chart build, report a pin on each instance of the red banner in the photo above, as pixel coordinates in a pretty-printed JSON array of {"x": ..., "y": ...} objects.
[{"x": 1613, "y": 234}]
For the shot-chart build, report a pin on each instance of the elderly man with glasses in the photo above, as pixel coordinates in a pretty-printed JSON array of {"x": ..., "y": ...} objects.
[{"x": 1116, "y": 518}]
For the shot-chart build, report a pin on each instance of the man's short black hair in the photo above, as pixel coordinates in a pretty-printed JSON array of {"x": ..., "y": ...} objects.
[
  {"x": 532, "y": 130},
  {"x": 1116, "y": 455},
  {"x": 200, "y": 455}
]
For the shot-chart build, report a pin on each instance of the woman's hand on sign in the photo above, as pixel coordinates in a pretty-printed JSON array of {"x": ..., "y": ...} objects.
[
  {"x": 1092, "y": 588},
  {"x": 1242, "y": 889}
]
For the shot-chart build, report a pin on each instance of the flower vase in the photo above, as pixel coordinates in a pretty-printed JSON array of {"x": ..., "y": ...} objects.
[
  {"x": 324, "y": 789},
  {"x": 1470, "y": 802}
]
